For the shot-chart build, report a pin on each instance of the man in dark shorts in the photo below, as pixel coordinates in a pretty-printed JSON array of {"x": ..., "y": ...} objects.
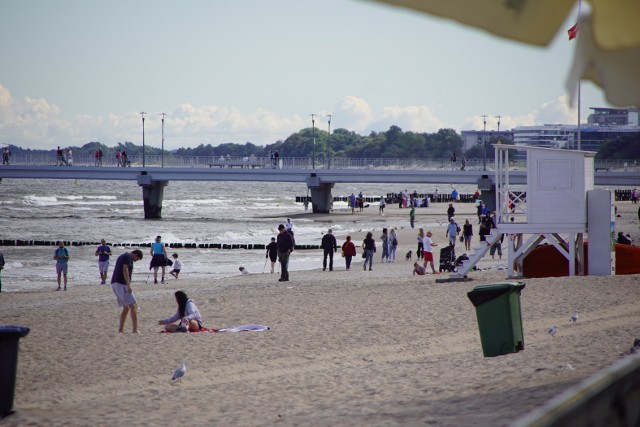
[{"x": 121, "y": 286}]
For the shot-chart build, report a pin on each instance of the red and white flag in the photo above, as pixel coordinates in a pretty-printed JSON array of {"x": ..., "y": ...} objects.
[{"x": 573, "y": 31}]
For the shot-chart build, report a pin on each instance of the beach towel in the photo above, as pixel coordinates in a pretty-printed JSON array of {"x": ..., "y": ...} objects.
[{"x": 253, "y": 327}]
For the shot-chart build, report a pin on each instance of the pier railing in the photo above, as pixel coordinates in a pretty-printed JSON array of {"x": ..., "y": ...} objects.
[{"x": 173, "y": 161}]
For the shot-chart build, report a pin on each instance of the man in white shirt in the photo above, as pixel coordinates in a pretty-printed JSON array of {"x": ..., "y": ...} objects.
[{"x": 428, "y": 245}]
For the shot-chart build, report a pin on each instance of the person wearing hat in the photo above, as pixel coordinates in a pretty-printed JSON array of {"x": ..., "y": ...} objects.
[{"x": 284, "y": 244}]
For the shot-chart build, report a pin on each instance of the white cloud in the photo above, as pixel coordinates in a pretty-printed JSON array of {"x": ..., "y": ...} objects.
[
  {"x": 36, "y": 123},
  {"x": 557, "y": 111}
]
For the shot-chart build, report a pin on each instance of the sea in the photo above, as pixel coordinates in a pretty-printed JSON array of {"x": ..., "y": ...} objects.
[{"x": 192, "y": 212}]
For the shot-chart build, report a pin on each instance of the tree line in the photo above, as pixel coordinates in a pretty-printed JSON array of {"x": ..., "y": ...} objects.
[{"x": 393, "y": 143}]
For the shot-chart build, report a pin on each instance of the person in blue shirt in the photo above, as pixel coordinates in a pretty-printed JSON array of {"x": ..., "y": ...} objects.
[
  {"x": 103, "y": 252},
  {"x": 158, "y": 259},
  {"x": 61, "y": 255}
]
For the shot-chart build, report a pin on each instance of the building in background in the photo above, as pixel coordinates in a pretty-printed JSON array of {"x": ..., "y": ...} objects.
[{"x": 603, "y": 124}]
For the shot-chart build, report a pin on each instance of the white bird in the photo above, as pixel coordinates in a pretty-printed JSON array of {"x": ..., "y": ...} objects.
[
  {"x": 179, "y": 373},
  {"x": 552, "y": 331},
  {"x": 574, "y": 317}
]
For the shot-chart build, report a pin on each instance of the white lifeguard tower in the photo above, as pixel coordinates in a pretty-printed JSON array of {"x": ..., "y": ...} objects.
[{"x": 555, "y": 207}]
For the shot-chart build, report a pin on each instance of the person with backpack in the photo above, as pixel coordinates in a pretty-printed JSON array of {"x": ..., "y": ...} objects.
[
  {"x": 285, "y": 244},
  {"x": 392, "y": 245}
]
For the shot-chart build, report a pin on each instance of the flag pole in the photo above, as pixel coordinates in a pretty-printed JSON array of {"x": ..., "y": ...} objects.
[{"x": 579, "y": 103}]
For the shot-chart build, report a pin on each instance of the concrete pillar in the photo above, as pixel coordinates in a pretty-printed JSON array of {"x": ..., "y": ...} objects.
[
  {"x": 152, "y": 192},
  {"x": 602, "y": 233},
  {"x": 321, "y": 197}
]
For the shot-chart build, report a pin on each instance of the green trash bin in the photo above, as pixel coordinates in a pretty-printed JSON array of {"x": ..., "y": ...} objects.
[
  {"x": 499, "y": 317},
  {"x": 9, "y": 337}
]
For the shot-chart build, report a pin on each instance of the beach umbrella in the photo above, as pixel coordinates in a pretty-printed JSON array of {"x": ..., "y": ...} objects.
[{"x": 607, "y": 37}]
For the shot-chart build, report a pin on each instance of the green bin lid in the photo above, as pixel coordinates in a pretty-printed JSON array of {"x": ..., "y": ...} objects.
[{"x": 483, "y": 293}]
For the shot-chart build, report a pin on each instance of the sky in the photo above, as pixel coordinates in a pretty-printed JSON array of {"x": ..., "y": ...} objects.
[{"x": 76, "y": 71}]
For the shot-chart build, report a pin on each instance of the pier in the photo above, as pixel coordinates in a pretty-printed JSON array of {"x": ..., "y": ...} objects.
[{"x": 153, "y": 179}]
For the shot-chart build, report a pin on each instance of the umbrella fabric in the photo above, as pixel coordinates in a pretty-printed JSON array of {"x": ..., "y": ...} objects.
[
  {"x": 615, "y": 71},
  {"x": 607, "y": 42},
  {"x": 529, "y": 21}
]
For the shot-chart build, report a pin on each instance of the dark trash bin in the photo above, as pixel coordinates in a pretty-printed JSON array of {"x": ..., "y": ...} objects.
[
  {"x": 9, "y": 337},
  {"x": 499, "y": 317}
]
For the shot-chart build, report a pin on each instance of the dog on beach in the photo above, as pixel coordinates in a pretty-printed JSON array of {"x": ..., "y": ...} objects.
[{"x": 408, "y": 256}]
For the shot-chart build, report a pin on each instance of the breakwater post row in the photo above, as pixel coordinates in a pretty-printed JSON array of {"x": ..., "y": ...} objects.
[
  {"x": 247, "y": 246},
  {"x": 620, "y": 196}
]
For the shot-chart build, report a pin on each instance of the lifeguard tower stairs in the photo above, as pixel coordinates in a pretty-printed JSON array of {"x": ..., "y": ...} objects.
[{"x": 553, "y": 208}]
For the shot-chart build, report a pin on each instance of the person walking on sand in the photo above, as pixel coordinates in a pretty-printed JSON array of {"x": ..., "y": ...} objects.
[
  {"x": 187, "y": 313},
  {"x": 384, "y": 238},
  {"x": 392, "y": 245},
  {"x": 329, "y": 245},
  {"x": 61, "y": 255},
  {"x": 1, "y": 268},
  {"x": 383, "y": 203},
  {"x": 103, "y": 252},
  {"x": 428, "y": 245},
  {"x": 420, "y": 239},
  {"x": 412, "y": 215},
  {"x": 272, "y": 254},
  {"x": 121, "y": 286},
  {"x": 369, "y": 247},
  {"x": 177, "y": 266},
  {"x": 467, "y": 234},
  {"x": 158, "y": 259},
  {"x": 349, "y": 251},
  {"x": 452, "y": 231},
  {"x": 451, "y": 211},
  {"x": 285, "y": 245}
]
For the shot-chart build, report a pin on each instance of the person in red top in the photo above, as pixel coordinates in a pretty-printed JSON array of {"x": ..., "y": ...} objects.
[{"x": 349, "y": 251}]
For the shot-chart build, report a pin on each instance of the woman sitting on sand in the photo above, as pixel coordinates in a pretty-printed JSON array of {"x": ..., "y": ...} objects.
[{"x": 187, "y": 314}]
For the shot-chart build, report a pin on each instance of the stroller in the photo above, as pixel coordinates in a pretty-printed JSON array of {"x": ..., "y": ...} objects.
[{"x": 447, "y": 259}]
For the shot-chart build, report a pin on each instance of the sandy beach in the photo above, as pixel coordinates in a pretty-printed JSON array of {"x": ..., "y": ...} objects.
[{"x": 345, "y": 348}]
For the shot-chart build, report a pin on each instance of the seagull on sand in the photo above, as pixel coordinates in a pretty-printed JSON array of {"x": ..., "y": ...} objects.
[
  {"x": 574, "y": 317},
  {"x": 179, "y": 373},
  {"x": 552, "y": 331}
]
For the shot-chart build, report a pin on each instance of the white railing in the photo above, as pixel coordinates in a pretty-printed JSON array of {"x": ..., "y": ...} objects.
[{"x": 172, "y": 161}]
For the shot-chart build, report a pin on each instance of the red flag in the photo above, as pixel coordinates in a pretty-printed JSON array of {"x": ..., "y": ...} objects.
[{"x": 573, "y": 32}]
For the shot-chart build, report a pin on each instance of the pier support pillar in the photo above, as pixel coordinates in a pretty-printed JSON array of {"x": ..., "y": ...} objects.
[
  {"x": 321, "y": 197},
  {"x": 152, "y": 192}
]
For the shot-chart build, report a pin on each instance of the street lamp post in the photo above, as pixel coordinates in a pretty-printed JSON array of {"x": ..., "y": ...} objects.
[
  {"x": 484, "y": 142},
  {"x": 313, "y": 127},
  {"x": 162, "y": 152},
  {"x": 142, "y": 113},
  {"x": 499, "y": 117},
  {"x": 328, "y": 147}
]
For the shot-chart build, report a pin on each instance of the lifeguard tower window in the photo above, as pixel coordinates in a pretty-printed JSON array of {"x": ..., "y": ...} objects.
[{"x": 555, "y": 174}]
